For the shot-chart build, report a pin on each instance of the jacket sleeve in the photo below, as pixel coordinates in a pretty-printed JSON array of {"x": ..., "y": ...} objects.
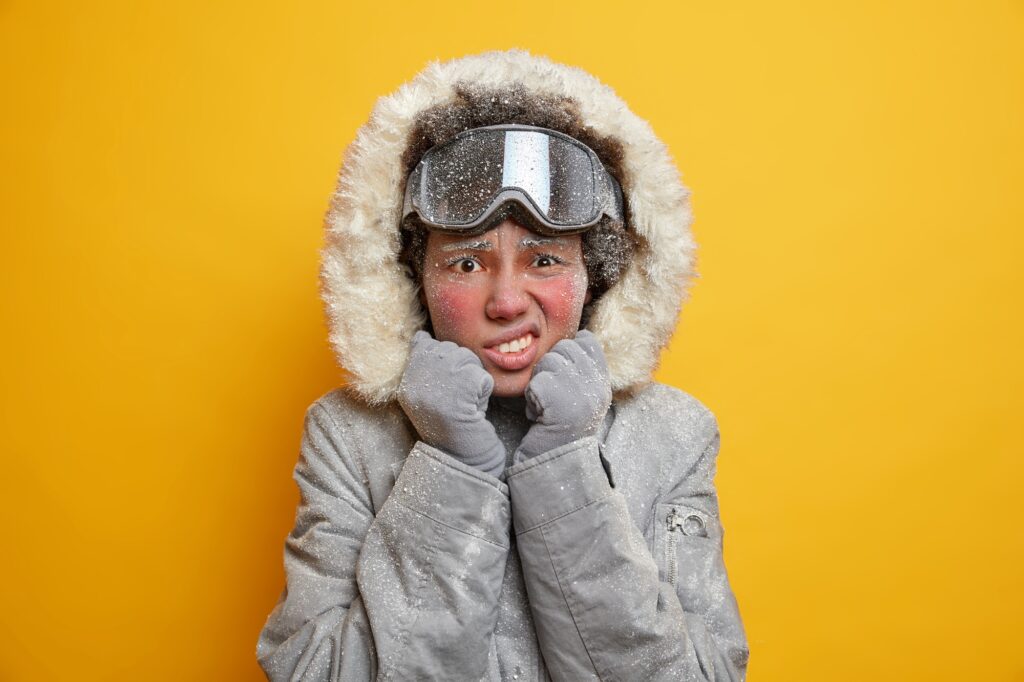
[
  {"x": 600, "y": 606},
  {"x": 391, "y": 595}
]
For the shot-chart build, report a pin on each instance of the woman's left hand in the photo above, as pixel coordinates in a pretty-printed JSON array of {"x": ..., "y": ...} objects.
[{"x": 568, "y": 395}]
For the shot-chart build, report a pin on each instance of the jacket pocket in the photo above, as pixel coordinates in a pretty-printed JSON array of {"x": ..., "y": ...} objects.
[{"x": 687, "y": 550}]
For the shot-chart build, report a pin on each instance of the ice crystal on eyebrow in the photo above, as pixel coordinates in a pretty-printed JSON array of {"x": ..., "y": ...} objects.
[
  {"x": 475, "y": 245},
  {"x": 531, "y": 242}
]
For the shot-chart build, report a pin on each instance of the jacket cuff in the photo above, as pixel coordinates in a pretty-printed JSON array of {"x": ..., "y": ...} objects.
[
  {"x": 454, "y": 494},
  {"x": 557, "y": 483}
]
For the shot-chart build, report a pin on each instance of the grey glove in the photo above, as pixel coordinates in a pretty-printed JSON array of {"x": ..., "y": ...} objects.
[
  {"x": 444, "y": 392},
  {"x": 568, "y": 395}
]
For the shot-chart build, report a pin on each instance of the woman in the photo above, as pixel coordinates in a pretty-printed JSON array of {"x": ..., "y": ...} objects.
[{"x": 500, "y": 491}]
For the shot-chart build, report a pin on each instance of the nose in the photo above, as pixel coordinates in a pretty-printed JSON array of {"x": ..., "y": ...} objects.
[{"x": 508, "y": 299}]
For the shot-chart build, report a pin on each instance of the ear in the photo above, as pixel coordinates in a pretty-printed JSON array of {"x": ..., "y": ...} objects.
[{"x": 590, "y": 295}]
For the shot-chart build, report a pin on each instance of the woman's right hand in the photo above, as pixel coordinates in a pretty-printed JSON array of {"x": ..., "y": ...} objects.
[{"x": 444, "y": 392}]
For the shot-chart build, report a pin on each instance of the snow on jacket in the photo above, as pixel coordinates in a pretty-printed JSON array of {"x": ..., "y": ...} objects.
[{"x": 601, "y": 559}]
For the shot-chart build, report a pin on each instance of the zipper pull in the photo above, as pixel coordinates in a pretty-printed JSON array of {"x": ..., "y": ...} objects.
[
  {"x": 674, "y": 521},
  {"x": 689, "y": 525}
]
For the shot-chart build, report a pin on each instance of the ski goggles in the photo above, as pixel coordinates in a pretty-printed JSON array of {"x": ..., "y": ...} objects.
[{"x": 552, "y": 182}]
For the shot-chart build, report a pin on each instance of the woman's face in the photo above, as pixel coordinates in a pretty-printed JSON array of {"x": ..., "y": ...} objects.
[{"x": 508, "y": 295}]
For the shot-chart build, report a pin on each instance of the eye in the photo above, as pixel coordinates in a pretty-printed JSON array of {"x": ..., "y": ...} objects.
[
  {"x": 544, "y": 260},
  {"x": 466, "y": 265}
]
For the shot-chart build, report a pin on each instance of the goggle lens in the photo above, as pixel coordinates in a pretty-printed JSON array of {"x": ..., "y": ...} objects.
[{"x": 459, "y": 181}]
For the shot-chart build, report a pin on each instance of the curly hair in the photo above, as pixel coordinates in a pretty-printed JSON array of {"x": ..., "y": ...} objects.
[{"x": 607, "y": 247}]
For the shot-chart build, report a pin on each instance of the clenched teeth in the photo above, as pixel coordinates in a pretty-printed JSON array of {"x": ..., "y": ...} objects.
[{"x": 517, "y": 345}]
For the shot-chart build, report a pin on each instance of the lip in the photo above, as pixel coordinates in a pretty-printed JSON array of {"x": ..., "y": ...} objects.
[
  {"x": 513, "y": 362},
  {"x": 513, "y": 334}
]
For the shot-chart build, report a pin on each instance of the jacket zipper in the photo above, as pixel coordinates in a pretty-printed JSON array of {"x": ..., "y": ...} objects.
[{"x": 674, "y": 523}]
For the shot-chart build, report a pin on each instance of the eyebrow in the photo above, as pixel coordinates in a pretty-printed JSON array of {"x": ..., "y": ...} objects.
[
  {"x": 471, "y": 245},
  {"x": 530, "y": 242},
  {"x": 484, "y": 245}
]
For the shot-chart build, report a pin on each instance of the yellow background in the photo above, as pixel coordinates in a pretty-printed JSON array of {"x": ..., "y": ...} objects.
[{"x": 856, "y": 170}]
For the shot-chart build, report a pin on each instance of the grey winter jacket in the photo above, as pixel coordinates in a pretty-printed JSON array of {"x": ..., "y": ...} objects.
[{"x": 598, "y": 560}]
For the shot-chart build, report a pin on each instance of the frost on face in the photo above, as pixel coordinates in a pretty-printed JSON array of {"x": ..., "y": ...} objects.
[{"x": 546, "y": 181}]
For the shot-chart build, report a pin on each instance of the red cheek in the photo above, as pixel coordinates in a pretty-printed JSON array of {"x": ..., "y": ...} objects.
[
  {"x": 453, "y": 309},
  {"x": 562, "y": 301}
]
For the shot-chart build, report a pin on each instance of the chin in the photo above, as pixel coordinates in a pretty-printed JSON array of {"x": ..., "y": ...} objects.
[{"x": 510, "y": 387}]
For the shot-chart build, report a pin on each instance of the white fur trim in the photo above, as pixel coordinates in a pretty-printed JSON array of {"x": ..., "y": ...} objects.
[{"x": 371, "y": 303}]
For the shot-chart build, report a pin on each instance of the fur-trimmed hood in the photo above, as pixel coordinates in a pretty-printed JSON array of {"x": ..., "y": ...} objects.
[{"x": 371, "y": 302}]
